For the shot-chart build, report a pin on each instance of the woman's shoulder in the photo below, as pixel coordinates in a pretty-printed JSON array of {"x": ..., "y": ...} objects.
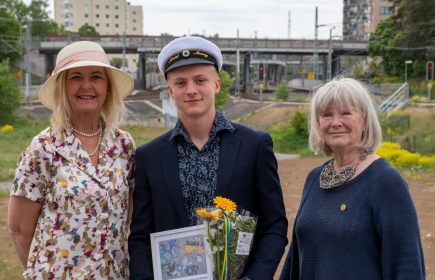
[{"x": 123, "y": 135}]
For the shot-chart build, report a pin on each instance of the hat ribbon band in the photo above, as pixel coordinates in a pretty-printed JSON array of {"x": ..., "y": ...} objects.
[{"x": 85, "y": 55}]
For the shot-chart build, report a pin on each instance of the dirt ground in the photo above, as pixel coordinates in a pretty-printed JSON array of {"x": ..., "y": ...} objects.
[{"x": 292, "y": 174}]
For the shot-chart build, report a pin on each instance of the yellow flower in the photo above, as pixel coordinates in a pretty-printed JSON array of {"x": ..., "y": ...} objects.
[
  {"x": 225, "y": 204},
  {"x": 204, "y": 214}
]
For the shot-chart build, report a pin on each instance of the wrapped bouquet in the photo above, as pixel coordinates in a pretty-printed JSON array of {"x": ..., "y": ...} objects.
[{"x": 228, "y": 235}]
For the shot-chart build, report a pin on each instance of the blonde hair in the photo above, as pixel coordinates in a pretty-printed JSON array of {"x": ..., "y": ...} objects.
[
  {"x": 215, "y": 73},
  {"x": 113, "y": 110},
  {"x": 350, "y": 94}
]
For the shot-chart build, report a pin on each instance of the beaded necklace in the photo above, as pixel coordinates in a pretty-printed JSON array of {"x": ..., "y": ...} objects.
[{"x": 100, "y": 130}]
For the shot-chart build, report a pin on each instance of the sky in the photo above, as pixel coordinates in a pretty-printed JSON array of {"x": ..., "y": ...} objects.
[{"x": 268, "y": 17}]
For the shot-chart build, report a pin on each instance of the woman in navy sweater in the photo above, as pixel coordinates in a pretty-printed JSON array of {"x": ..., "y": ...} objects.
[{"x": 356, "y": 219}]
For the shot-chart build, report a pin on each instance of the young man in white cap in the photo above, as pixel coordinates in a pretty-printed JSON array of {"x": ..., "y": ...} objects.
[{"x": 204, "y": 156}]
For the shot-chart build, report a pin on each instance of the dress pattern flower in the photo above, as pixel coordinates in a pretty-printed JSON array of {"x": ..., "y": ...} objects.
[{"x": 81, "y": 230}]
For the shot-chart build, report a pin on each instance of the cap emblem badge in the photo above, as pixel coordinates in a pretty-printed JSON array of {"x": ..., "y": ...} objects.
[{"x": 186, "y": 53}]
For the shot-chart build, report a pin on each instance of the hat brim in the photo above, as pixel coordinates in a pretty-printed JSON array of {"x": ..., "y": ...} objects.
[
  {"x": 124, "y": 82},
  {"x": 188, "y": 61}
]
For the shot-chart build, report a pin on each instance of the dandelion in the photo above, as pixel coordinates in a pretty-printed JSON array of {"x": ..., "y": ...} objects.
[{"x": 224, "y": 204}]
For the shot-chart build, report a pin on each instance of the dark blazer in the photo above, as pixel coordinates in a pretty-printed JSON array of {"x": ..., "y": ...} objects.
[{"x": 247, "y": 174}]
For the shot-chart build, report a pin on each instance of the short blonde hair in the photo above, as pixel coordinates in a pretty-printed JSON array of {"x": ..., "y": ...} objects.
[
  {"x": 345, "y": 93},
  {"x": 113, "y": 110},
  {"x": 215, "y": 73}
]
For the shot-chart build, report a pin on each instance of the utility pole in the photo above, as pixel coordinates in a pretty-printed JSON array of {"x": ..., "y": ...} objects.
[
  {"x": 124, "y": 45},
  {"x": 316, "y": 48},
  {"x": 237, "y": 66},
  {"x": 29, "y": 72},
  {"x": 329, "y": 71},
  {"x": 289, "y": 21}
]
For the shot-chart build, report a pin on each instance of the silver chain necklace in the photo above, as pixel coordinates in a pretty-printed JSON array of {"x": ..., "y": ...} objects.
[{"x": 329, "y": 179}]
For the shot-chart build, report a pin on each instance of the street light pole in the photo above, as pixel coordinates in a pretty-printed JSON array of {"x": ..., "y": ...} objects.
[{"x": 28, "y": 73}]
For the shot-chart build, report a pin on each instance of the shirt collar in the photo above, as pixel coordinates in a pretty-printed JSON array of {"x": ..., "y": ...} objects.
[{"x": 220, "y": 123}]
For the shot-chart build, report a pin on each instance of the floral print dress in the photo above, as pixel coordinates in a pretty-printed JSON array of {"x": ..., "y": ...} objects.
[{"x": 81, "y": 230}]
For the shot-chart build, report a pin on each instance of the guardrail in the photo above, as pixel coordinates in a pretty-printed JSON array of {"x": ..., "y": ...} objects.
[{"x": 401, "y": 95}]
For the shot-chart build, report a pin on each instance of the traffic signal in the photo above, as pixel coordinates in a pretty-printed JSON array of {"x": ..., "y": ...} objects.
[
  {"x": 429, "y": 71},
  {"x": 261, "y": 72}
]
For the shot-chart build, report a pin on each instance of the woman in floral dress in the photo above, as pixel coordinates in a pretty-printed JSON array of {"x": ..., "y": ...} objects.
[{"x": 71, "y": 199}]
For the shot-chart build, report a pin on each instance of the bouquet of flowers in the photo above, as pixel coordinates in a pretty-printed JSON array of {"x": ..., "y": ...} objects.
[{"x": 228, "y": 235}]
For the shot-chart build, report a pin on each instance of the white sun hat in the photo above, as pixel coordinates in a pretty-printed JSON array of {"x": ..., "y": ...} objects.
[{"x": 81, "y": 54}]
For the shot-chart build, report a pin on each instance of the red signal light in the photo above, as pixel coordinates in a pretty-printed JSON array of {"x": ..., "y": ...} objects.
[
  {"x": 430, "y": 67},
  {"x": 261, "y": 68}
]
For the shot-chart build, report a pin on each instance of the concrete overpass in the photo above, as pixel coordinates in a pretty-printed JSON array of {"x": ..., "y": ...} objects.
[{"x": 146, "y": 45}]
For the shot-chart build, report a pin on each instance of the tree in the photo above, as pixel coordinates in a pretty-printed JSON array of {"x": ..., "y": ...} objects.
[
  {"x": 37, "y": 11},
  {"x": 9, "y": 93},
  {"x": 117, "y": 62},
  {"x": 406, "y": 35},
  {"x": 222, "y": 96},
  {"x": 282, "y": 92},
  {"x": 88, "y": 30},
  {"x": 8, "y": 48}
]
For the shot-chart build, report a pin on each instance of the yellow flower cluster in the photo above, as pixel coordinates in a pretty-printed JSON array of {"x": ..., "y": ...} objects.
[
  {"x": 7, "y": 128},
  {"x": 398, "y": 157},
  {"x": 213, "y": 214},
  {"x": 225, "y": 204}
]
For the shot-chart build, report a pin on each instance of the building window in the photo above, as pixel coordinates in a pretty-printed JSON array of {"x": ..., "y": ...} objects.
[
  {"x": 134, "y": 20},
  {"x": 116, "y": 7},
  {"x": 386, "y": 11},
  {"x": 107, "y": 7},
  {"x": 97, "y": 25},
  {"x": 97, "y": 6},
  {"x": 134, "y": 60},
  {"x": 97, "y": 15},
  {"x": 116, "y": 25},
  {"x": 86, "y": 15},
  {"x": 86, "y": 23},
  {"x": 107, "y": 16},
  {"x": 134, "y": 12},
  {"x": 107, "y": 25},
  {"x": 134, "y": 28},
  {"x": 86, "y": 6},
  {"x": 116, "y": 16},
  {"x": 107, "y": 33}
]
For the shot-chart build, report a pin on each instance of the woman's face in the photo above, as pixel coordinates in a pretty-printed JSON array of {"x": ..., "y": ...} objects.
[
  {"x": 87, "y": 88},
  {"x": 341, "y": 129}
]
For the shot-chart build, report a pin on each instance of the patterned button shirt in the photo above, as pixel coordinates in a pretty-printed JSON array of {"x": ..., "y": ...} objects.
[
  {"x": 199, "y": 168},
  {"x": 81, "y": 230}
]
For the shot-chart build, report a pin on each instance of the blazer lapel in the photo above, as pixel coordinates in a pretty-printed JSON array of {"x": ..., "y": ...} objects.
[
  {"x": 229, "y": 149},
  {"x": 169, "y": 164}
]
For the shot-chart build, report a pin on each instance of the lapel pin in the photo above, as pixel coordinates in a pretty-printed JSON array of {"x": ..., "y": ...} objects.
[{"x": 343, "y": 207}]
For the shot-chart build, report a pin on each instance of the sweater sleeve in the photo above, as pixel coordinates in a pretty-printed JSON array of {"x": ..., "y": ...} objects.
[
  {"x": 396, "y": 222},
  {"x": 290, "y": 269}
]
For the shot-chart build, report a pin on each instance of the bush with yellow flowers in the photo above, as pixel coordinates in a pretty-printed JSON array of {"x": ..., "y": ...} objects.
[
  {"x": 398, "y": 157},
  {"x": 7, "y": 128}
]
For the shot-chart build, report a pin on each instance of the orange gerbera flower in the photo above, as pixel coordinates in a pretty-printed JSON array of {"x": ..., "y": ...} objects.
[
  {"x": 204, "y": 214},
  {"x": 225, "y": 204}
]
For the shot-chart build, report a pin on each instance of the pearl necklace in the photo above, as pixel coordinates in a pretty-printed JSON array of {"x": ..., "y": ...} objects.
[{"x": 90, "y": 135}]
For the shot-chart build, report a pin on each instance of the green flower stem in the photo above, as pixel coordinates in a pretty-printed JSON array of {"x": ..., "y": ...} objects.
[{"x": 218, "y": 254}]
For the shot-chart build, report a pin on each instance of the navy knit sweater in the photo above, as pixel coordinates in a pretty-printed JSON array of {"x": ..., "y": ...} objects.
[{"x": 375, "y": 237}]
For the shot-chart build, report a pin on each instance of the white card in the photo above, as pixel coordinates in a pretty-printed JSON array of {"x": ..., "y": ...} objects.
[{"x": 244, "y": 243}]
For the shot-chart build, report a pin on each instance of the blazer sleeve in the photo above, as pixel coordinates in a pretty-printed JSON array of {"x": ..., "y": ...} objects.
[
  {"x": 142, "y": 224},
  {"x": 272, "y": 227},
  {"x": 396, "y": 222}
]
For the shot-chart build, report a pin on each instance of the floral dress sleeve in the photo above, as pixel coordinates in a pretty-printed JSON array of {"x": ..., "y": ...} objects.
[
  {"x": 131, "y": 148},
  {"x": 33, "y": 172}
]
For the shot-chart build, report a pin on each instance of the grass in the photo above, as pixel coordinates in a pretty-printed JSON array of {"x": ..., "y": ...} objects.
[{"x": 14, "y": 142}]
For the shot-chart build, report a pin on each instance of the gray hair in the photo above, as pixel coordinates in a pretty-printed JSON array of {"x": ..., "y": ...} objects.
[
  {"x": 113, "y": 110},
  {"x": 345, "y": 93}
]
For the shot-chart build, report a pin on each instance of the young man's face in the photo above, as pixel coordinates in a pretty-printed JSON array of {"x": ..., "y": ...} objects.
[{"x": 193, "y": 88}]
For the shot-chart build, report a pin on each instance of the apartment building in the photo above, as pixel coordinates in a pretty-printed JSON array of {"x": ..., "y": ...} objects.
[
  {"x": 380, "y": 11},
  {"x": 356, "y": 19},
  {"x": 107, "y": 16},
  {"x": 360, "y": 17}
]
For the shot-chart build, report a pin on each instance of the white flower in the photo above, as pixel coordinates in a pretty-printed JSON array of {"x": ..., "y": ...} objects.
[
  {"x": 214, "y": 250},
  {"x": 212, "y": 232},
  {"x": 221, "y": 248},
  {"x": 213, "y": 222},
  {"x": 221, "y": 226}
]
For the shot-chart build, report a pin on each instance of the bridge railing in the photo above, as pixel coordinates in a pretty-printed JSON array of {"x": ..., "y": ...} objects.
[{"x": 157, "y": 42}]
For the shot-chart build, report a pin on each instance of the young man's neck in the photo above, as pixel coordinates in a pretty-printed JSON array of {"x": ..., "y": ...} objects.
[{"x": 199, "y": 128}]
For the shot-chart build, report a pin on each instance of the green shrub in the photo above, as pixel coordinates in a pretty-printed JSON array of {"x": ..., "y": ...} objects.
[
  {"x": 222, "y": 96},
  {"x": 282, "y": 92},
  {"x": 9, "y": 93}
]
